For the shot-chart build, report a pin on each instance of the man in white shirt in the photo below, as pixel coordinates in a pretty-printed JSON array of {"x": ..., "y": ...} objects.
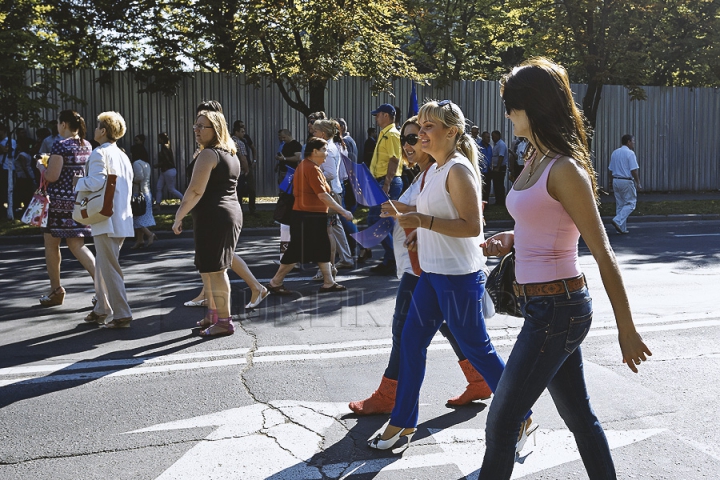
[{"x": 624, "y": 170}]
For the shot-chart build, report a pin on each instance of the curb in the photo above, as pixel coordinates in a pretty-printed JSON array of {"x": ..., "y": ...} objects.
[{"x": 268, "y": 231}]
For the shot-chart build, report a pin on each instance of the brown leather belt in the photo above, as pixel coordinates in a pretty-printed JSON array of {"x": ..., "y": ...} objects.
[{"x": 558, "y": 287}]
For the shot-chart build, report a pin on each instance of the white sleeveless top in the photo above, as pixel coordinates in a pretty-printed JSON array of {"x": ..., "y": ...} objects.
[{"x": 440, "y": 253}]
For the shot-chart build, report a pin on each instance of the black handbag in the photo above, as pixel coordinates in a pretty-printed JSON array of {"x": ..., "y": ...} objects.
[
  {"x": 284, "y": 209},
  {"x": 138, "y": 205},
  {"x": 500, "y": 287}
]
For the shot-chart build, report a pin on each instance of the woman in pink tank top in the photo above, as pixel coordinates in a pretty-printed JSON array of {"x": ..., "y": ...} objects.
[{"x": 553, "y": 202}]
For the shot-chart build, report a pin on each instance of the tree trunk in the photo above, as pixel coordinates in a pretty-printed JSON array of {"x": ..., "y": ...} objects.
[
  {"x": 590, "y": 104},
  {"x": 317, "y": 96}
]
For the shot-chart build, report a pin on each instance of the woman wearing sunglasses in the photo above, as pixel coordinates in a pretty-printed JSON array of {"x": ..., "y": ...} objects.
[
  {"x": 452, "y": 283},
  {"x": 382, "y": 400},
  {"x": 553, "y": 202}
]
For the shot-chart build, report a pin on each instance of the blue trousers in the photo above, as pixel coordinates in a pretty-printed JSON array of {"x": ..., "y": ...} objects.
[
  {"x": 547, "y": 354},
  {"x": 374, "y": 217},
  {"x": 455, "y": 299},
  {"x": 403, "y": 301}
]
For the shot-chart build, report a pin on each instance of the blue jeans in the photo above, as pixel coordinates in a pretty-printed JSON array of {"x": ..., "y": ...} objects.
[
  {"x": 455, "y": 299},
  {"x": 547, "y": 354},
  {"x": 402, "y": 306},
  {"x": 374, "y": 217}
]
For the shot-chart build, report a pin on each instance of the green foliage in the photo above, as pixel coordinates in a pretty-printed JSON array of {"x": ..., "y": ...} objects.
[
  {"x": 300, "y": 45},
  {"x": 462, "y": 40}
]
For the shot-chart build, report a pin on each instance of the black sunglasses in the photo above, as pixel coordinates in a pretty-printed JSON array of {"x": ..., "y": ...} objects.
[{"x": 410, "y": 139}]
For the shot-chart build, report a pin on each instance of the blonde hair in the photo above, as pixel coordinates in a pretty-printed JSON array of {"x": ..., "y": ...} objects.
[
  {"x": 114, "y": 125},
  {"x": 450, "y": 115},
  {"x": 223, "y": 140},
  {"x": 328, "y": 127}
]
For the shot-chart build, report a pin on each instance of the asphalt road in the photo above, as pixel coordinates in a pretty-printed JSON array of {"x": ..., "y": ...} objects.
[{"x": 156, "y": 401}]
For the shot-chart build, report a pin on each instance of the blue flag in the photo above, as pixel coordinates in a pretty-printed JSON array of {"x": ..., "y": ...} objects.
[
  {"x": 287, "y": 184},
  {"x": 364, "y": 186},
  {"x": 413, "y": 110},
  {"x": 375, "y": 233}
]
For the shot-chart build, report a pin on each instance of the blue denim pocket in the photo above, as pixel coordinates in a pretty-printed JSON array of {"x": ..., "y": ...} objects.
[
  {"x": 558, "y": 322},
  {"x": 577, "y": 331}
]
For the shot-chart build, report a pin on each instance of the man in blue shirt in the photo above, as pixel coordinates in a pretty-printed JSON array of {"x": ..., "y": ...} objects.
[{"x": 486, "y": 152}]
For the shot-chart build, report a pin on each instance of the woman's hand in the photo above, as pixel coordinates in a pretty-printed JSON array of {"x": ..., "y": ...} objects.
[
  {"x": 633, "y": 349},
  {"x": 177, "y": 226},
  {"x": 411, "y": 220},
  {"x": 411, "y": 241},
  {"x": 499, "y": 244},
  {"x": 389, "y": 211},
  {"x": 347, "y": 215}
]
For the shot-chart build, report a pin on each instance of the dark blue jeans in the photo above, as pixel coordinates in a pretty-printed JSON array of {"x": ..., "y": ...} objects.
[
  {"x": 547, "y": 354},
  {"x": 374, "y": 217},
  {"x": 402, "y": 306}
]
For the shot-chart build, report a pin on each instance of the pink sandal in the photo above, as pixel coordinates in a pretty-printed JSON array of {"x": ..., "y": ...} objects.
[
  {"x": 209, "y": 320},
  {"x": 225, "y": 323}
]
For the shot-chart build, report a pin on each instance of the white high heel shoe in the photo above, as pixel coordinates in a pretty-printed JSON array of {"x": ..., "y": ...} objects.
[
  {"x": 378, "y": 443},
  {"x": 527, "y": 428},
  {"x": 263, "y": 295}
]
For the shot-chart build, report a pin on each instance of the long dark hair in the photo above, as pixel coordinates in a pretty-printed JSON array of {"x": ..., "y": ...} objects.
[
  {"x": 541, "y": 88},
  {"x": 75, "y": 122}
]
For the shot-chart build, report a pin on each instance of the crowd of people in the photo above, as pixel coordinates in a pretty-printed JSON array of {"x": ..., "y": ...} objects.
[{"x": 433, "y": 174}]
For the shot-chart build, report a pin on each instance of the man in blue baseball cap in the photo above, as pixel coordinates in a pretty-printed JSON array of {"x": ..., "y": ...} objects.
[{"x": 387, "y": 170}]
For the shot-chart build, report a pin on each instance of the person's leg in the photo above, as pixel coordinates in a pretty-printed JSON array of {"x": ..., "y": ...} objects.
[
  {"x": 500, "y": 187},
  {"x": 52, "y": 260},
  {"x": 102, "y": 305},
  {"x": 569, "y": 392},
  {"x": 108, "y": 250},
  {"x": 382, "y": 400},
  {"x": 333, "y": 243},
  {"x": 341, "y": 244},
  {"x": 279, "y": 276},
  {"x": 403, "y": 300},
  {"x": 486, "y": 187},
  {"x": 387, "y": 243},
  {"x": 445, "y": 330},
  {"x": 160, "y": 185},
  {"x": 459, "y": 298},
  {"x": 220, "y": 287},
  {"x": 554, "y": 326},
  {"x": 477, "y": 388},
  {"x": 139, "y": 239},
  {"x": 628, "y": 199},
  {"x": 251, "y": 189},
  {"x": 240, "y": 267},
  {"x": 422, "y": 322},
  {"x": 82, "y": 253},
  {"x": 170, "y": 181},
  {"x": 326, "y": 271}
]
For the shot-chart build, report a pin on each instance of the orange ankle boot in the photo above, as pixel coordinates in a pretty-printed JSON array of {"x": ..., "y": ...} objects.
[
  {"x": 477, "y": 388},
  {"x": 380, "y": 402}
]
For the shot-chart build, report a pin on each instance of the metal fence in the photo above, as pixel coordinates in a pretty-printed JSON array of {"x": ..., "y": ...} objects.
[{"x": 677, "y": 145}]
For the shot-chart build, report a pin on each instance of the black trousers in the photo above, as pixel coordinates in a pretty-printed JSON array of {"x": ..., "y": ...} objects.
[{"x": 497, "y": 177}]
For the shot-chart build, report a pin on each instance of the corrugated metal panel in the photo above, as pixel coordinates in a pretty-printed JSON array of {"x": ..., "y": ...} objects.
[{"x": 675, "y": 128}]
